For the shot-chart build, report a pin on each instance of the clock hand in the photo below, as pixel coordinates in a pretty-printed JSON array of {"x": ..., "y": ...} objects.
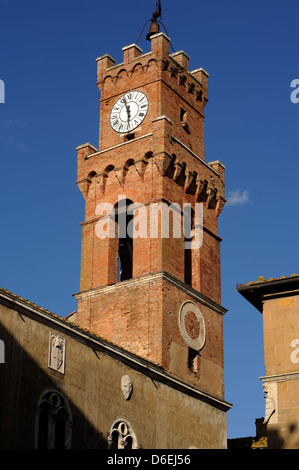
[
  {"x": 128, "y": 111},
  {"x": 127, "y": 107}
]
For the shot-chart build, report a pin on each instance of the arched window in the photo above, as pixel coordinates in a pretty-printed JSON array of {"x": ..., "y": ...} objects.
[
  {"x": 125, "y": 240},
  {"x": 122, "y": 436},
  {"x": 43, "y": 425},
  {"x": 188, "y": 227},
  {"x": 53, "y": 422}
]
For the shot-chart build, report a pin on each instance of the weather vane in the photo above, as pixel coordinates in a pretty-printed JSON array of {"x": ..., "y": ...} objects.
[
  {"x": 159, "y": 9},
  {"x": 154, "y": 27}
]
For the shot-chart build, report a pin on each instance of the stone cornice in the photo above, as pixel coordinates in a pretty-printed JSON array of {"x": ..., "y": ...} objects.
[
  {"x": 160, "y": 275},
  {"x": 108, "y": 149},
  {"x": 281, "y": 377},
  {"x": 265, "y": 289},
  {"x": 175, "y": 139}
]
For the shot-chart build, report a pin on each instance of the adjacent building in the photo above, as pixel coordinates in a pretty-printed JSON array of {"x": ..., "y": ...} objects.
[{"x": 278, "y": 301}]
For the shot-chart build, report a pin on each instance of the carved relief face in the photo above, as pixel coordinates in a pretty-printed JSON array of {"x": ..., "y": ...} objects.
[{"x": 126, "y": 386}]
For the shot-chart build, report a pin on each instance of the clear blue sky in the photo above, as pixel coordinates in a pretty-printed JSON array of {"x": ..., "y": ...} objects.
[{"x": 47, "y": 62}]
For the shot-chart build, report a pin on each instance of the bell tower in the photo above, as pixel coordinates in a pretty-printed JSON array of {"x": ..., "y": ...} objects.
[{"x": 150, "y": 267}]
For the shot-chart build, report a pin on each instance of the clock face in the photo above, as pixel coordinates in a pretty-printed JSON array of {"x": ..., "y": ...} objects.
[{"x": 129, "y": 111}]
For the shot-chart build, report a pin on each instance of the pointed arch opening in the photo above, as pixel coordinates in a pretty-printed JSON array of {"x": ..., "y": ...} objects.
[
  {"x": 125, "y": 240},
  {"x": 188, "y": 236},
  {"x": 53, "y": 422},
  {"x": 122, "y": 436}
]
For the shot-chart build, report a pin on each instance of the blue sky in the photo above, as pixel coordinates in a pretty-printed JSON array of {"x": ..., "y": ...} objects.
[{"x": 47, "y": 62}]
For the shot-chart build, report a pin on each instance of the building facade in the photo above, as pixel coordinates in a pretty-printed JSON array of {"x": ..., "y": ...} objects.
[
  {"x": 140, "y": 363},
  {"x": 278, "y": 301},
  {"x": 64, "y": 387}
]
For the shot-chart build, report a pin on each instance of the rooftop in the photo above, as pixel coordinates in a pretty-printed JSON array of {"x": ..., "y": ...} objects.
[{"x": 255, "y": 291}]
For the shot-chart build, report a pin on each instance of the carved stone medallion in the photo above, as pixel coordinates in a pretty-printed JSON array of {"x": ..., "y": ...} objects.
[
  {"x": 57, "y": 353},
  {"x": 192, "y": 326}
]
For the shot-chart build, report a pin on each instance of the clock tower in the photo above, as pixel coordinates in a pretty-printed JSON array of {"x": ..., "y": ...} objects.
[{"x": 150, "y": 267}]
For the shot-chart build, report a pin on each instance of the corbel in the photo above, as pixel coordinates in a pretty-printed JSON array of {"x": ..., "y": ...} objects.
[
  {"x": 220, "y": 203},
  {"x": 121, "y": 174},
  {"x": 173, "y": 71},
  {"x": 211, "y": 196},
  {"x": 177, "y": 170},
  {"x": 191, "y": 87},
  {"x": 162, "y": 160},
  {"x": 199, "y": 95},
  {"x": 200, "y": 193},
  {"x": 101, "y": 180},
  {"x": 188, "y": 180},
  {"x": 182, "y": 79},
  {"x": 140, "y": 167}
]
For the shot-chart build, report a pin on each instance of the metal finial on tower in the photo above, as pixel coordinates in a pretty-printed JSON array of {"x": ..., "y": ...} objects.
[
  {"x": 159, "y": 8},
  {"x": 154, "y": 27}
]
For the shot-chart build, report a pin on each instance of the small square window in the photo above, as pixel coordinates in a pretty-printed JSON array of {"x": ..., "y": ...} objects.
[
  {"x": 182, "y": 115},
  {"x": 193, "y": 365},
  {"x": 130, "y": 136}
]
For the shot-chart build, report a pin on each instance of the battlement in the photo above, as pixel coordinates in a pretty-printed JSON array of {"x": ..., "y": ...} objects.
[{"x": 173, "y": 67}]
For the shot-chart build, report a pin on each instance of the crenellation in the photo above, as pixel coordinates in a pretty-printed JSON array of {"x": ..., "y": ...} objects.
[
  {"x": 182, "y": 58},
  {"x": 131, "y": 53},
  {"x": 176, "y": 64}
]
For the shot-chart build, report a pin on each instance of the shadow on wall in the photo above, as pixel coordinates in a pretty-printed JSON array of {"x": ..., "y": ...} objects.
[
  {"x": 268, "y": 438},
  {"x": 35, "y": 411},
  {"x": 288, "y": 440}
]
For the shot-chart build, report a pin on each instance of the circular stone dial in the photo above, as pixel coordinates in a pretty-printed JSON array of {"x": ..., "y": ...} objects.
[{"x": 192, "y": 326}]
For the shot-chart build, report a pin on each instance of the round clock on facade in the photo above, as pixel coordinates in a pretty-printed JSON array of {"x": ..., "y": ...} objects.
[
  {"x": 129, "y": 111},
  {"x": 192, "y": 326}
]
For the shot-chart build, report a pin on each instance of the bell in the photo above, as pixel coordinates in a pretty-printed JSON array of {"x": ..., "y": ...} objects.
[{"x": 154, "y": 27}]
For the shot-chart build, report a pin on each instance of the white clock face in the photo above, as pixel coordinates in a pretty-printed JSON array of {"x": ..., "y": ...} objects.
[{"x": 129, "y": 111}]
